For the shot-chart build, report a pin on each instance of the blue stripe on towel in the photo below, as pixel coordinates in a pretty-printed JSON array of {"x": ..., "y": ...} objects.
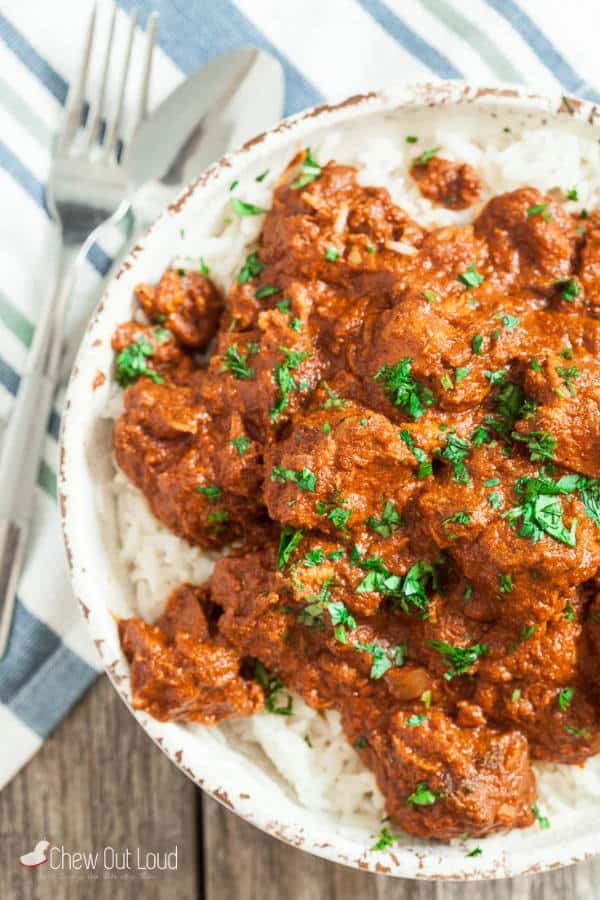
[
  {"x": 410, "y": 40},
  {"x": 191, "y": 36},
  {"x": 545, "y": 51},
  {"x": 30, "y": 58},
  {"x": 40, "y": 678}
]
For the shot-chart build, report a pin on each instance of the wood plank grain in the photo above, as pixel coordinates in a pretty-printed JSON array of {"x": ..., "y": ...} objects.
[
  {"x": 242, "y": 863},
  {"x": 98, "y": 782}
]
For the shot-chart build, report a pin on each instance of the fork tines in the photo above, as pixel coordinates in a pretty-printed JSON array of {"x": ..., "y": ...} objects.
[{"x": 100, "y": 126}]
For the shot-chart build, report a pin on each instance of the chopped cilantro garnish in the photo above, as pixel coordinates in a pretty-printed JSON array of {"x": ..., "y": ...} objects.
[
  {"x": 402, "y": 389},
  {"x": 568, "y": 373},
  {"x": 569, "y": 613},
  {"x": 411, "y": 139},
  {"x": 506, "y": 583},
  {"x": 515, "y": 696},
  {"x": 495, "y": 500},
  {"x": 542, "y": 821},
  {"x": 251, "y": 268},
  {"x": 267, "y": 290},
  {"x": 304, "y": 478},
  {"x": 572, "y": 194},
  {"x": 498, "y": 377},
  {"x": 331, "y": 254},
  {"x": 339, "y": 516},
  {"x": 460, "y": 518},
  {"x": 461, "y": 373},
  {"x": 310, "y": 171},
  {"x": 413, "y": 593},
  {"x": 284, "y": 380},
  {"x": 360, "y": 743},
  {"x": 455, "y": 452},
  {"x": 211, "y": 492},
  {"x": 426, "y": 156},
  {"x": 477, "y": 344},
  {"x": 415, "y": 720},
  {"x": 422, "y": 796},
  {"x": 446, "y": 382},
  {"x": 378, "y": 578},
  {"x": 334, "y": 401},
  {"x": 314, "y": 557},
  {"x": 204, "y": 268},
  {"x": 341, "y": 619},
  {"x": 235, "y": 362},
  {"x": 241, "y": 444},
  {"x": 541, "y": 509},
  {"x": 218, "y": 517},
  {"x": 565, "y": 696},
  {"x": 131, "y": 362},
  {"x": 272, "y": 686},
  {"x": 583, "y": 733},
  {"x": 288, "y": 542},
  {"x": 430, "y": 296},
  {"x": 262, "y": 175},
  {"x": 540, "y": 209},
  {"x": 460, "y": 659},
  {"x": 526, "y": 632},
  {"x": 589, "y": 491},
  {"x": 476, "y": 851},
  {"x": 381, "y": 660},
  {"x": 540, "y": 444},
  {"x": 535, "y": 364},
  {"x": 510, "y": 322},
  {"x": 386, "y": 839},
  {"x": 471, "y": 278},
  {"x": 389, "y": 521},
  {"x": 241, "y": 208},
  {"x": 569, "y": 289}
]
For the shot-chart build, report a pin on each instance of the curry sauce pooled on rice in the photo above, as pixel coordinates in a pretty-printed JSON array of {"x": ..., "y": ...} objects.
[{"x": 396, "y": 437}]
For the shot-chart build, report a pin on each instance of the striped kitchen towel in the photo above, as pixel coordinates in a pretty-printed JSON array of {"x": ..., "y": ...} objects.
[{"x": 329, "y": 49}]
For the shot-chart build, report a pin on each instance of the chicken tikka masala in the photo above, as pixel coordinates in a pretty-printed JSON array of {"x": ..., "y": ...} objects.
[{"x": 394, "y": 433}]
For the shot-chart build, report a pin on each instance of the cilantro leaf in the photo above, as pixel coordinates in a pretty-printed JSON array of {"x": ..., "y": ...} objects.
[
  {"x": 241, "y": 444},
  {"x": 304, "y": 478},
  {"x": 251, "y": 268},
  {"x": 402, "y": 389},
  {"x": 236, "y": 363},
  {"x": 426, "y": 156},
  {"x": 284, "y": 380},
  {"x": 272, "y": 687},
  {"x": 422, "y": 796},
  {"x": 288, "y": 541},
  {"x": 241, "y": 208},
  {"x": 131, "y": 363},
  {"x": 471, "y": 278},
  {"x": 460, "y": 659},
  {"x": 310, "y": 171},
  {"x": 387, "y": 524},
  {"x": 541, "y": 509}
]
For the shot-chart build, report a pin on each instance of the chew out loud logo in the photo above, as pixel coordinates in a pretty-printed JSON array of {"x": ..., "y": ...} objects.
[{"x": 108, "y": 859}]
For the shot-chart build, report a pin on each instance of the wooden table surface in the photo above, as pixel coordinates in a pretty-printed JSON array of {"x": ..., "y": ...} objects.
[{"x": 100, "y": 782}]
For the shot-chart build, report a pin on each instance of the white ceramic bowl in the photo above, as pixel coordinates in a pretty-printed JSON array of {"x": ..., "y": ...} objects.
[{"x": 99, "y": 583}]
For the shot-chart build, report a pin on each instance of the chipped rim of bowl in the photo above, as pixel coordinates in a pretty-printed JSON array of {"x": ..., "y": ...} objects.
[{"x": 90, "y": 574}]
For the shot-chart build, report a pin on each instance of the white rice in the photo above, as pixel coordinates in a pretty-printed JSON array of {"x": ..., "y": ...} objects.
[{"x": 308, "y": 749}]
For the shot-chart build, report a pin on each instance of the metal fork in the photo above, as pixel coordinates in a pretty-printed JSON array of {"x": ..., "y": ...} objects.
[{"x": 87, "y": 187}]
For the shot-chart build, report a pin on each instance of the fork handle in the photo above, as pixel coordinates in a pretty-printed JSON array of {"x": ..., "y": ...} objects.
[{"x": 24, "y": 439}]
